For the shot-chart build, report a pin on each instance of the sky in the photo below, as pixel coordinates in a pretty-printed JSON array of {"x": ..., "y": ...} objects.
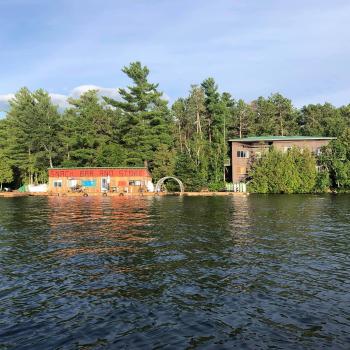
[{"x": 252, "y": 48}]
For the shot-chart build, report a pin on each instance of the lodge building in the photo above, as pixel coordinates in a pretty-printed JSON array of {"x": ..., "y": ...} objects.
[
  {"x": 245, "y": 150},
  {"x": 103, "y": 180}
]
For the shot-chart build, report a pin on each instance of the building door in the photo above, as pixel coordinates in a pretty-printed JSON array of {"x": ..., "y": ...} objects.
[{"x": 104, "y": 184}]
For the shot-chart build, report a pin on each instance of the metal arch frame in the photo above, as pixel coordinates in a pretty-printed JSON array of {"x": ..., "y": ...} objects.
[{"x": 161, "y": 181}]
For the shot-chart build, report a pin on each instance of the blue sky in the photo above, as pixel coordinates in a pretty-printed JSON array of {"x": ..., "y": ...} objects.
[{"x": 252, "y": 48}]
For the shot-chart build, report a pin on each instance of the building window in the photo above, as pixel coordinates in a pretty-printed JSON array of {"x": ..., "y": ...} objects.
[
  {"x": 242, "y": 170},
  {"x": 242, "y": 154},
  {"x": 72, "y": 183},
  {"x": 135, "y": 183},
  {"x": 57, "y": 183},
  {"x": 89, "y": 183},
  {"x": 318, "y": 151}
]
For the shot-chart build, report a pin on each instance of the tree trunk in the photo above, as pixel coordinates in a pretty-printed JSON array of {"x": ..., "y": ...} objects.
[
  {"x": 240, "y": 125},
  {"x": 199, "y": 128},
  {"x": 281, "y": 125},
  {"x": 180, "y": 138},
  {"x": 209, "y": 131},
  {"x": 68, "y": 154}
]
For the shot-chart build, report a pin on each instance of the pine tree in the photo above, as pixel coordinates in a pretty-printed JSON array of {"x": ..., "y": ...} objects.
[
  {"x": 323, "y": 120},
  {"x": 88, "y": 126},
  {"x": 6, "y": 173},
  {"x": 145, "y": 119},
  {"x": 33, "y": 125},
  {"x": 243, "y": 123}
]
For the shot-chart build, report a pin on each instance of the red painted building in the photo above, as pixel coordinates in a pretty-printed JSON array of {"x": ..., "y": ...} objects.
[{"x": 99, "y": 180}]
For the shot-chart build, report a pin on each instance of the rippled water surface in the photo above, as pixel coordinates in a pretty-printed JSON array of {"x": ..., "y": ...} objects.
[{"x": 175, "y": 273}]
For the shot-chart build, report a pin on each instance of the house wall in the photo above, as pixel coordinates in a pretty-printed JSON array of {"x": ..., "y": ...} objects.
[
  {"x": 119, "y": 179},
  {"x": 240, "y": 166}
]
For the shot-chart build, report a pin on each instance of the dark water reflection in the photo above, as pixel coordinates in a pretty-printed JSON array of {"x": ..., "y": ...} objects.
[{"x": 175, "y": 273}]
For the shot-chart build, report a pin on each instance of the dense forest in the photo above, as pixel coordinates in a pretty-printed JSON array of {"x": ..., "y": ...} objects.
[{"x": 187, "y": 139}]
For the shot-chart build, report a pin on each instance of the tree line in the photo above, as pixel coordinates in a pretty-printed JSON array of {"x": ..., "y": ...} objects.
[{"x": 187, "y": 139}]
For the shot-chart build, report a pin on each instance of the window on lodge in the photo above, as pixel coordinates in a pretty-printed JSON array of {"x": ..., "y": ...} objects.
[
  {"x": 72, "y": 183},
  {"x": 88, "y": 183},
  {"x": 135, "y": 183},
  {"x": 242, "y": 154},
  {"x": 242, "y": 171},
  {"x": 57, "y": 183}
]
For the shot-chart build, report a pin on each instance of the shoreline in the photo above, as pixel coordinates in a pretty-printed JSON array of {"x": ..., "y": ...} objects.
[{"x": 99, "y": 194}]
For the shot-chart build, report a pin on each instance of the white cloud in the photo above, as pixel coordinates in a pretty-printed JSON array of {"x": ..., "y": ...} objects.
[
  {"x": 4, "y": 101},
  {"x": 59, "y": 100}
]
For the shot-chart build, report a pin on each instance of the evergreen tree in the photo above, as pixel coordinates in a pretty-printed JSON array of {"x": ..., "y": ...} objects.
[
  {"x": 144, "y": 117},
  {"x": 189, "y": 141},
  {"x": 88, "y": 127},
  {"x": 33, "y": 125},
  {"x": 216, "y": 114},
  {"x": 284, "y": 116},
  {"x": 335, "y": 158},
  {"x": 274, "y": 116},
  {"x": 278, "y": 172},
  {"x": 164, "y": 162},
  {"x": 243, "y": 123},
  {"x": 193, "y": 160},
  {"x": 6, "y": 173},
  {"x": 194, "y": 177},
  {"x": 264, "y": 116},
  {"x": 323, "y": 120}
]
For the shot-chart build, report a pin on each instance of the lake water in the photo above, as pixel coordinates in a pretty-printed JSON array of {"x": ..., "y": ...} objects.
[{"x": 175, "y": 272}]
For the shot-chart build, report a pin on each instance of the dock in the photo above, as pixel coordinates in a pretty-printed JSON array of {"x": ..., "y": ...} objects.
[{"x": 113, "y": 194}]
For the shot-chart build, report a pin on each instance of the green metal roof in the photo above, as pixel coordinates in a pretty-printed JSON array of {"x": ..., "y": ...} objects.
[{"x": 280, "y": 138}]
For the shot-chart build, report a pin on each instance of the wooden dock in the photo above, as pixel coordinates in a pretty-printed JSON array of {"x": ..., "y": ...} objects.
[
  {"x": 112, "y": 194},
  {"x": 13, "y": 194}
]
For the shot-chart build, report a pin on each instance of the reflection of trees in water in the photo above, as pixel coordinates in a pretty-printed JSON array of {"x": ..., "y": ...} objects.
[
  {"x": 183, "y": 246},
  {"x": 23, "y": 230},
  {"x": 97, "y": 225},
  {"x": 280, "y": 220},
  {"x": 241, "y": 221},
  {"x": 193, "y": 234}
]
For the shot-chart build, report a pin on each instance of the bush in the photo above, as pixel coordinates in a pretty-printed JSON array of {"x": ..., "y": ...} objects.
[{"x": 278, "y": 172}]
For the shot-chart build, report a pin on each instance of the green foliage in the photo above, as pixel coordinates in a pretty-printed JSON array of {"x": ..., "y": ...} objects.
[
  {"x": 88, "y": 126},
  {"x": 243, "y": 123},
  {"x": 32, "y": 126},
  {"x": 278, "y": 172},
  {"x": 323, "y": 120},
  {"x": 216, "y": 186},
  {"x": 336, "y": 160},
  {"x": 322, "y": 182},
  {"x": 6, "y": 173},
  {"x": 193, "y": 177},
  {"x": 164, "y": 162},
  {"x": 274, "y": 116},
  {"x": 110, "y": 155},
  {"x": 144, "y": 117},
  {"x": 189, "y": 140}
]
